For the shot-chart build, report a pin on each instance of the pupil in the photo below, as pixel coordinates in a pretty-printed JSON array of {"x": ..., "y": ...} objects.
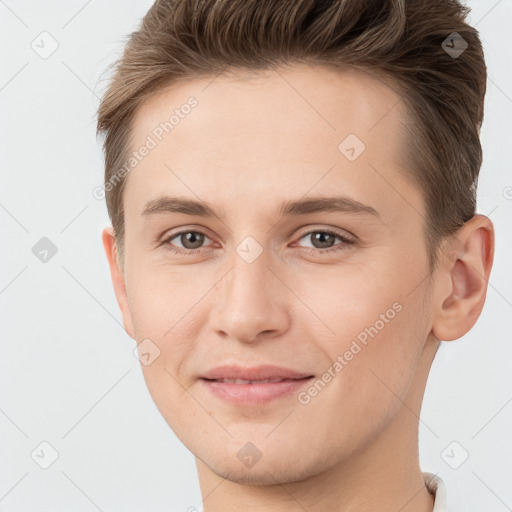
[
  {"x": 195, "y": 238},
  {"x": 320, "y": 237}
]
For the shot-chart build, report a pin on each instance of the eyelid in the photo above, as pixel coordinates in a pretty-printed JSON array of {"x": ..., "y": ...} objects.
[
  {"x": 345, "y": 243},
  {"x": 169, "y": 235},
  {"x": 342, "y": 233},
  {"x": 310, "y": 229},
  {"x": 347, "y": 239}
]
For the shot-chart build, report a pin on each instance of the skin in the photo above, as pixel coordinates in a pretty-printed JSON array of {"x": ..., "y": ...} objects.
[{"x": 252, "y": 142}]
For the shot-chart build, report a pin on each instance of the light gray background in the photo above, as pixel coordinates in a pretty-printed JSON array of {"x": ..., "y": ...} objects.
[{"x": 67, "y": 372}]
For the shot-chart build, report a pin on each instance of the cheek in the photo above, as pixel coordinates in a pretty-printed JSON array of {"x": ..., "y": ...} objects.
[
  {"x": 175, "y": 403},
  {"x": 162, "y": 297},
  {"x": 350, "y": 303},
  {"x": 377, "y": 330},
  {"x": 163, "y": 320},
  {"x": 373, "y": 374}
]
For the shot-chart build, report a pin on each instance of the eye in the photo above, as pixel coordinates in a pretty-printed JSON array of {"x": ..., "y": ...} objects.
[
  {"x": 323, "y": 240},
  {"x": 190, "y": 240}
]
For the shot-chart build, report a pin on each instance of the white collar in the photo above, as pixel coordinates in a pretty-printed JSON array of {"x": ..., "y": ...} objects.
[{"x": 437, "y": 488}]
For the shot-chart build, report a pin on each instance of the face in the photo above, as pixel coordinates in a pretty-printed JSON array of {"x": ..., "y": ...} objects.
[{"x": 311, "y": 257}]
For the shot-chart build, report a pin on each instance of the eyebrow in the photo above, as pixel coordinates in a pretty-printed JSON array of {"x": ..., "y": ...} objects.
[{"x": 167, "y": 204}]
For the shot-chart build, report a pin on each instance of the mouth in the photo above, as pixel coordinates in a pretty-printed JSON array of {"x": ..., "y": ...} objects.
[
  {"x": 253, "y": 374},
  {"x": 244, "y": 392},
  {"x": 243, "y": 381}
]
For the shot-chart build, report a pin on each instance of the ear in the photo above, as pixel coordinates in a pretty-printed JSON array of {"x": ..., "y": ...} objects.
[
  {"x": 110, "y": 245},
  {"x": 466, "y": 265}
]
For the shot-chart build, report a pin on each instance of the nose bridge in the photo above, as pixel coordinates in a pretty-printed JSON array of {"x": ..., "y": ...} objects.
[
  {"x": 250, "y": 272},
  {"x": 248, "y": 300}
]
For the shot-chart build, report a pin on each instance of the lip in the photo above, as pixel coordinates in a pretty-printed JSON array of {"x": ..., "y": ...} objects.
[
  {"x": 254, "y": 373},
  {"x": 251, "y": 394}
]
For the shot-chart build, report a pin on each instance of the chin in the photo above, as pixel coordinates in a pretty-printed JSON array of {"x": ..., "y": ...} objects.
[{"x": 276, "y": 469}]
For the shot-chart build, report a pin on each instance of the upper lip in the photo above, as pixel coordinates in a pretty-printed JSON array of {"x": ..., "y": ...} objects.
[{"x": 262, "y": 372}]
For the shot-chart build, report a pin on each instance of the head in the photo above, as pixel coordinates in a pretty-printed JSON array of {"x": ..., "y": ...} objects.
[{"x": 254, "y": 114}]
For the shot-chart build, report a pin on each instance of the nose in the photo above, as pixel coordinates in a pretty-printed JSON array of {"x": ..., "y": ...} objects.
[{"x": 250, "y": 302}]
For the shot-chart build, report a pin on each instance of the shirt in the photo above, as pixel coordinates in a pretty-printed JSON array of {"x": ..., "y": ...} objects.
[{"x": 436, "y": 487}]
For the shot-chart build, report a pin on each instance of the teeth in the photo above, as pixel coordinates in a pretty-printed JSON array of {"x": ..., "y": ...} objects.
[{"x": 242, "y": 381}]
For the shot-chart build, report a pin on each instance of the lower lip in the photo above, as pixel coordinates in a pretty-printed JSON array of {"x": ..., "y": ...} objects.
[{"x": 254, "y": 394}]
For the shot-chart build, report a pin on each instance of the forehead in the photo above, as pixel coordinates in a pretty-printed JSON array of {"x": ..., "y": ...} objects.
[
  {"x": 284, "y": 130},
  {"x": 305, "y": 99}
]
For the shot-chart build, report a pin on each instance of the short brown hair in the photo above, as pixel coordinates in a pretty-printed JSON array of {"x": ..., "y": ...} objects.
[{"x": 400, "y": 41}]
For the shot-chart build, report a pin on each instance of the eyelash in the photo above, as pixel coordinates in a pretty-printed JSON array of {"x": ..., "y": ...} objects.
[{"x": 312, "y": 251}]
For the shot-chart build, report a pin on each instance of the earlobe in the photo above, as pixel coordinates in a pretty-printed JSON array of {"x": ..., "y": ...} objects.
[
  {"x": 467, "y": 263},
  {"x": 118, "y": 281}
]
